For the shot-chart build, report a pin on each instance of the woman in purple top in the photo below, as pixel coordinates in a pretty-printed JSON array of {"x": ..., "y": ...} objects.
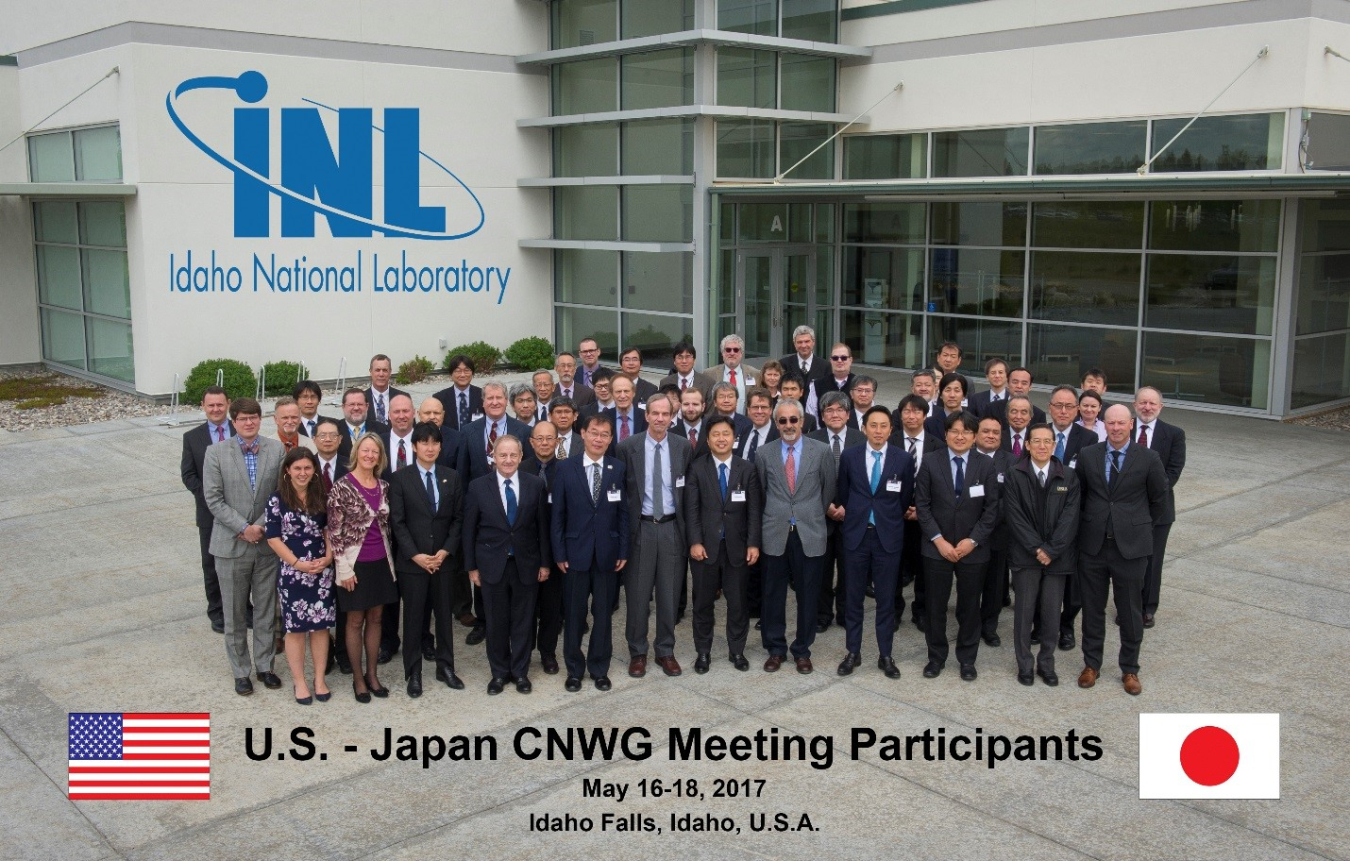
[{"x": 358, "y": 538}]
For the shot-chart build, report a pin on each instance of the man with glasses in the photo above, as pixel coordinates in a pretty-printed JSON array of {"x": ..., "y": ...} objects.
[
  {"x": 1019, "y": 385},
  {"x": 630, "y": 365},
  {"x": 863, "y": 394},
  {"x": 733, "y": 371},
  {"x": 685, "y": 377},
  {"x": 463, "y": 401},
  {"x": 580, "y": 394},
  {"x": 840, "y": 380},
  {"x": 355, "y": 421},
  {"x": 589, "y": 351}
]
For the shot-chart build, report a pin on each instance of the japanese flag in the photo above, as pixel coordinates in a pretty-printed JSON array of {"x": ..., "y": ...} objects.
[{"x": 1209, "y": 756}]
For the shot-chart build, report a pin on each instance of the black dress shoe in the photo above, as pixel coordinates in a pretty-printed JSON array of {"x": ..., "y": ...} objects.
[
  {"x": 386, "y": 655},
  {"x": 549, "y": 663},
  {"x": 932, "y": 670},
  {"x": 243, "y": 686},
  {"x": 993, "y": 640},
  {"x": 1048, "y": 676},
  {"x": 1067, "y": 642},
  {"x": 1148, "y": 620},
  {"x": 218, "y": 625},
  {"x": 344, "y": 665},
  {"x": 270, "y": 680},
  {"x": 573, "y": 684},
  {"x": 602, "y": 683},
  {"x": 1035, "y": 636},
  {"x": 822, "y": 625},
  {"x": 920, "y": 622},
  {"x": 1007, "y": 600},
  {"x": 703, "y": 662},
  {"x": 739, "y": 662},
  {"x": 328, "y": 667},
  {"x": 448, "y": 676},
  {"x": 428, "y": 652},
  {"x": 415, "y": 684},
  {"x": 968, "y": 673},
  {"x": 496, "y": 686},
  {"x": 476, "y": 636},
  {"x": 851, "y": 661},
  {"x": 361, "y": 696},
  {"x": 870, "y": 591},
  {"x": 759, "y": 624},
  {"x": 1027, "y": 679},
  {"x": 523, "y": 685},
  {"x": 887, "y": 666}
]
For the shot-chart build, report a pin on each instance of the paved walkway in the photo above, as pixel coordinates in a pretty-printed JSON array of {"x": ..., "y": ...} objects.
[{"x": 102, "y": 611}]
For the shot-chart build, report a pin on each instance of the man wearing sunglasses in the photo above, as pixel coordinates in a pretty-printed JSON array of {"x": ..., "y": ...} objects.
[
  {"x": 733, "y": 371},
  {"x": 840, "y": 380}
]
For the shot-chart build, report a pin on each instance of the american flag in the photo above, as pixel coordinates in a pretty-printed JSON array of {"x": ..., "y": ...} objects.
[{"x": 140, "y": 756}]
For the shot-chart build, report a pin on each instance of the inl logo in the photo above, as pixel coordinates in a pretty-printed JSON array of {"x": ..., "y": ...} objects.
[{"x": 317, "y": 180}]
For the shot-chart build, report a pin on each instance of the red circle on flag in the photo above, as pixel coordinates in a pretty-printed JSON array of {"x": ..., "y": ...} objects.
[{"x": 1209, "y": 755}]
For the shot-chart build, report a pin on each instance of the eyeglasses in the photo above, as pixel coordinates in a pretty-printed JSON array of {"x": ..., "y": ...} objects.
[
  {"x": 731, "y": 349},
  {"x": 788, "y": 420},
  {"x": 329, "y": 435},
  {"x": 840, "y": 358}
]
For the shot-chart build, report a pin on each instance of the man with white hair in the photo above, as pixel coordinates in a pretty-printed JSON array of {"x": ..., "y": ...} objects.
[{"x": 733, "y": 370}]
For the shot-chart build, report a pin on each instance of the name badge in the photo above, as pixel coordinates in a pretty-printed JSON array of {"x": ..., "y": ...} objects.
[
  {"x": 1061, "y": 489},
  {"x": 615, "y": 495},
  {"x": 550, "y": 499},
  {"x": 738, "y": 496},
  {"x": 1073, "y": 464},
  {"x": 1000, "y": 478},
  {"x": 976, "y": 491},
  {"x": 476, "y": 416},
  {"x": 749, "y": 380},
  {"x": 679, "y": 482},
  {"x": 894, "y": 485}
]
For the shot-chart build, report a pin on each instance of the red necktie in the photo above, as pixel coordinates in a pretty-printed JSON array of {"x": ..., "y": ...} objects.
[
  {"x": 1017, "y": 446},
  {"x": 402, "y": 454},
  {"x": 492, "y": 439},
  {"x": 693, "y": 437},
  {"x": 1143, "y": 435},
  {"x": 327, "y": 476},
  {"x": 733, "y": 376},
  {"x": 623, "y": 428},
  {"x": 220, "y": 434},
  {"x": 791, "y": 466}
]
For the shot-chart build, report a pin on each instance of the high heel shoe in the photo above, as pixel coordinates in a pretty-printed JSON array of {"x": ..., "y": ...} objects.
[
  {"x": 360, "y": 697},
  {"x": 380, "y": 692}
]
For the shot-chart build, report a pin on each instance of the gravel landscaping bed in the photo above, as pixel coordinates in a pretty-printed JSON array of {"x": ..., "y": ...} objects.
[
  {"x": 1336, "y": 420},
  {"x": 110, "y": 404}
]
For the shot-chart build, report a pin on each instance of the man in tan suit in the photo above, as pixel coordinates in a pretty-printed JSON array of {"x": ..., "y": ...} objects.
[{"x": 733, "y": 371}]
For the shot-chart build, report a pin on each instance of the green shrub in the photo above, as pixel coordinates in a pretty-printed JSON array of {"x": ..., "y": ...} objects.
[
  {"x": 414, "y": 370},
  {"x": 281, "y": 377},
  {"x": 239, "y": 380},
  {"x": 483, "y": 355},
  {"x": 531, "y": 354}
]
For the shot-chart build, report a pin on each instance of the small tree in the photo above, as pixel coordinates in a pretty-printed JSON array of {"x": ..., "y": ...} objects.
[{"x": 239, "y": 380}]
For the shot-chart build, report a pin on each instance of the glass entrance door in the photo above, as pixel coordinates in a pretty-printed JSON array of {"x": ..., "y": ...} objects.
[{"x": 777, "y": 290}]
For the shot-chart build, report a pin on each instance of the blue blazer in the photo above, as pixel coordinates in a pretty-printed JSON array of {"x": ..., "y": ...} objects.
[
  {"x": 488, "y": 536},
  {"x": 853, "y": 490},
  {"x": 589, "y": 536},
  {"x": 473, "y": 460}
]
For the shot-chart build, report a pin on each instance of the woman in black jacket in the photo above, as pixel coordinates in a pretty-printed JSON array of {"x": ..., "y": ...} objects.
[{"x": 1041, "y": 505}]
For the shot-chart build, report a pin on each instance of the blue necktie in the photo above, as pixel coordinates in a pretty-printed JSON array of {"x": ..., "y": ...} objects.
[
  {"x": 1115, "y": 467},
  {"x": 722, "y": 479},
  {"x": 510, "y": 504},
  {"x": 463, "y": 409},
  {"x": 960, "y": 475},
  {"x": 1059, "y": 447},
  {"x": 431, "y": 491},
  {"x": 876, "y": 480}
]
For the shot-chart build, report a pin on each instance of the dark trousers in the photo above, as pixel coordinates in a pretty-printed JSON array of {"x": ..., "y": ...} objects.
[
  {"x": 1036, "y": 592},
  {"x": 995, "y": 587},
  {"x": 510, "y": 617},
  {"x": 938, "y": 574},
  {"x": 423, "y": 594},
  {"x": 729, "y": 575},
  {"x": 581, "y": 584},
  {"x": 1124, "y": 577},
  {"x": 548, "y": 613},
  {"x": 870, "y": 562},
  {"x": 389, "y": 638},
  {"x": 830, "y": 600},
  {"x": 464, "y": 598},
  {"x": 754, "y": 588},
  {"x": 1153, "y": 577},
  {"x": 911, "y": 571},
  {"x": 1073, "y": 604},
  {"x": 215, "y": 610},
  {"x": 804, "y": 571}
]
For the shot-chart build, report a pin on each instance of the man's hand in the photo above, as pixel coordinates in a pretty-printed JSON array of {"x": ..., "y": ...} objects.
[
  {"x": 618, "y": 566},
  {"x": 473, "y": 578},
  {"x": 946, "y": 550},
  {"x": 253, "y": 533},
  {"x": 543, "y": 574},
  {"x": 911, "y": 514},
  {"x": 964, "y": 548},
  {"x": 751, "y": 555},
  {"x": 426, "y": 562},
  {"x": 698, "y": 553}
]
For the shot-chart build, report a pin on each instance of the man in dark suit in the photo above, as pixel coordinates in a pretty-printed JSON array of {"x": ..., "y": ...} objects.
[
  {"x": 630, "y": 417},
  {"x": 684, "y": 374},
  {"x": 630, "y": 365},
  {"x": 544, "y": 392},
  {"x": 216, "y": 405},
  {"x": 805, "y": 361},
  {"x": 947, "y": 359},
  {"x": 308, "y": 395},
  {"x": 690, "y": 422},
  {"x": 590, "y": 545},
  {"x": 463, "y": 401},
  {"x": 1019, "y": 385},
  {"x": 589, "y": 351},
  {"x": 379, "y": 393},
  {"x": 398, "y": 442},
  {"x": 563, "y": 415},
  {"x": 356, "y": 421},
  {"x": 725, "y": 402},
  {"x": 1124, "y": 489},
  {"x": 1016, "y": 416},
  {"x": 507, "y": 554},
  {"x": 793, "y": 388},
  {"x": 993, "y": 597},
  {"x": 759, "y": 410},
  {"x": 951, "y": 397},
  {"x": 996, "y": 375},
  {"x": 862, "y": 392},
  {"x": 957, "y": 498},
  {"x": 909, "y": 434},
  {"x": 723, "y": 524},
  {"x": 840, "y": 379},
  {"x": 432, "y": 410},
  {"x": 1070, "y": 437},
  {"x": 426, "y": 517},
  {"x": 548, "y": 603},
  {"x": 834, "y": 411},
  {"x": 1169, "y": 442},
  {"x": 874, "y": 490},
  {"x": 581, "y": 395}
]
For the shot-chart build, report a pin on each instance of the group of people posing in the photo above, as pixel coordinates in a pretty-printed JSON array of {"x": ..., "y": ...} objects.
[{"x": 600, "y": 486}]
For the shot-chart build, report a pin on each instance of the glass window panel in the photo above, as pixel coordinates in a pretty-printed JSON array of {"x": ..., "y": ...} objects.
[
  {"x": 103, "y": 224},
  {"x": 747, "y": 78},
  {"x": 799, "y": 222},
  {"x": 585, "y": 87},
  {"x": 63, "y": 337},
  {"x": 584, "y": 22},
  {"x": 748, "y": 16},
  {"x": 980, "y": 340},
  {"x": 979, "y": 281},
  {"x": 50, "y": 158},
  {"x": 107, "y": 286},
  {"x": 884, "y": 222},
  {"x": 885, "y": 156},
  {"x": 878, "y": 338},
  {"x": 883, "y": 278},
  {"x": 1211, "y": 293},
  {"x": 1321, "y": 370},
  {"x": 1328, "y": 141},
  {"x": 1215, "y": 225},
  {"x": 586, "y": 150},
  {"x": 1324, "y": 293},
  {"x": 59, "y": 276},
  {"x": 825, "y": 282},
  {"x": 1243, "y": 142},
  {"x": 55, "y": 221},
  {"x": 110, "y": 349},
  {"x": 98, "y": 154},
  {"x": 1091, "y": 148},
  {"x": 573, "y": 324},
  {"x": 656, "y": 336},
  {"x": 660, "y": 79},
  {"x": 980, "y": 223},
  {"x": 808, "y": 83},
  {"x": 585, "y": 212},
  {"x": 813, "y": 20},
  {"x": 659, "y": 282},
  {"x": 763, "y": 222},
  {"x": 1089, "y": 288},
  {"x": 1092, "y": 224},
  {"x": 658, "y": 213},
  {"x": 656, "y": 17},
  {"x": 745, "y": 149},
  {"x": 824, "y": 222},
  {"x": 725, "y": 326},
  {"x": 798, "y": 142},
  {"x": 1059, "y": 355},
  {"x": 1326, "y": 225},
  {"x": 981, "y": 152},
  {"x": 586, "y": 277},
  {"x": 726, "y": 283},
  {"x": 1207, "y": 369},
  {"x": 728, "y": 223},
  {"x": 658, "y": 147}
]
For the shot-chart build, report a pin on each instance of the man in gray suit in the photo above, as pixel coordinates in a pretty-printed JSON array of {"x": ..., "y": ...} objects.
[
  {"x": 655, "y": 463},
  {"x": 797, "y": 476},
  {"x": 238, "y": 477}
]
